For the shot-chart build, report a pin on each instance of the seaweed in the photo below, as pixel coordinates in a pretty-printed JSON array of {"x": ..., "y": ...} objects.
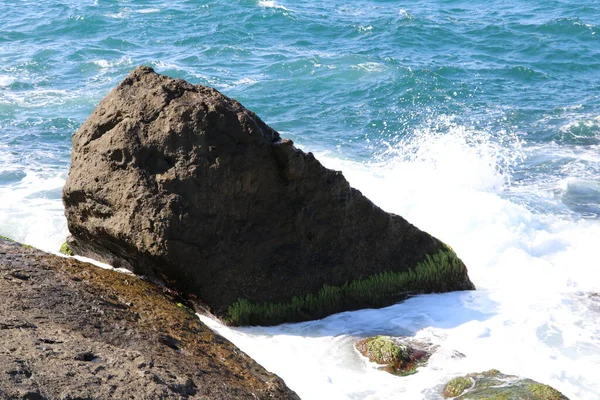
[{"x": 435, "y": 273}]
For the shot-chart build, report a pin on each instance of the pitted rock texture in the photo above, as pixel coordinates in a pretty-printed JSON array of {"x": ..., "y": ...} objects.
[
  {"x": 70, "y": 330},
  {"x": 181, "y": 183}
]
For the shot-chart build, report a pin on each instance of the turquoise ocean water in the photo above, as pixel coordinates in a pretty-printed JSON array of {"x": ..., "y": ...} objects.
[{"x": 479, "y": 121}]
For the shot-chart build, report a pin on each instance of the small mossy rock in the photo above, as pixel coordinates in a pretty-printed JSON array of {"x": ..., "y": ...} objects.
[
  {"x": 493, "y": 384},
  {"x": 398, "y": 358},
  {"x": 66, "y": 249},
  {"x": 457, "y": 386}
]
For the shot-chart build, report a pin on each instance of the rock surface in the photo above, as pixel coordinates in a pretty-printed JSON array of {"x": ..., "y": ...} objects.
[
  {"x": 70, "y": 330},
  {"x": 494, "y": 385},
  {"x": 181, "y": 183},
  {"x": 396, "y": 357}
]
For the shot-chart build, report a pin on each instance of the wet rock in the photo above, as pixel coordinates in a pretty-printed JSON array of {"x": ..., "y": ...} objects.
[
  {"x": 494, "y": 385},
  {"x": 111, "y": 336},
  {"x": 396, "y": 357},
  {"x": 183, "y": 184},
  {"x": 457, "y": 386}
]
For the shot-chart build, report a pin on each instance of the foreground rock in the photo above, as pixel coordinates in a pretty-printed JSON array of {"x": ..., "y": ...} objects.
[
  {"x": 73, "y": 331},
  {"x": 396, "y": 357},
  {"x": 181, "y": 183},
  {"x": 495, "y": 385}
]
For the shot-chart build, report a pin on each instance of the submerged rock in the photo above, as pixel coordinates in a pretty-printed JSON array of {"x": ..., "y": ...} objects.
[
  {"x": 70, "y": 330},
  {"x": 396, "y": 357},
  {"x": 494, "y": 385},
  {"x": 183, "y": 184}
]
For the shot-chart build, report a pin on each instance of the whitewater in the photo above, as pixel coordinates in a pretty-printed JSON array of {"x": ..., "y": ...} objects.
[
  {"x": 533, "y": 313},
  {"x": 478, "y": 122}
]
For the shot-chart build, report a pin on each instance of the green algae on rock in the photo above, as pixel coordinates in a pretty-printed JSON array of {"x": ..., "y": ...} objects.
[
  {"x": 396, "y": 357},
  {"x": 433, "y": 274},
  {"x": 493, "y": 384},
  {"x": 66, "y": 249},
  {"x": 457, "y": 386}
]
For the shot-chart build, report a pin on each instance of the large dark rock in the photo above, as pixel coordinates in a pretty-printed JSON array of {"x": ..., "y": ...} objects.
[
  {"x": 69, "y": 330},
  {"x": 182, "y": 183}
]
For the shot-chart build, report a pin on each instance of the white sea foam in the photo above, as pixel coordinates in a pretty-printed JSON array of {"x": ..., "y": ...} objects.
[
  {"x": 31, "y": 211},
  {"x": 271, "y": 4},
  {"x": 100, "y": 264},
  {"x": 124, "y": 13},
  {"x": 148, "y": 10},
  {"x": 534, "y": 272},
  {"x": 6, "y": 80},
  {"x": 404, "y": 14},
  {"x": 562, "y": 170},
  {"x": 125, "y": 60},
  {"x": 163, "y": 65},
  {"x": 38, "y": 97},
  {"x": 589, "y": 122},
  {"x": 370, "y": 67},
  {"x": 238, "y": 83}
]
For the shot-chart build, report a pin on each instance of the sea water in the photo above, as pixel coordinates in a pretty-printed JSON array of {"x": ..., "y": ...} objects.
[{"x": 478, "y": 121}]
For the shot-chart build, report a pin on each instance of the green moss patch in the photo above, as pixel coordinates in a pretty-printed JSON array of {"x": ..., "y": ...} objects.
[
  {"x": 66, "y": 250},
  {"x": 397, "y": 358},
  {"x": 545, "y": 392},
  {"x": 436, "y": 273},
  {"x": 6, "y": 238}
]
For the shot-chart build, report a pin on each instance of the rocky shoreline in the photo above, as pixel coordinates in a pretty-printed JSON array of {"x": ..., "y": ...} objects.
[
  {"x": 71, "y": 330},
  {"x": 187, "y": 188}
]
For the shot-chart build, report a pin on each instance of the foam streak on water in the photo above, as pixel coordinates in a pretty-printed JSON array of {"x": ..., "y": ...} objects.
[{"x": 477, "y": 121}]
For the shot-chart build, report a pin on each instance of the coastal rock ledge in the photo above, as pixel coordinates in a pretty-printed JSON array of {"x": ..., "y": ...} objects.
[
  {"x": 70, "y": 330},
  {"x": 180, "y": 183}
]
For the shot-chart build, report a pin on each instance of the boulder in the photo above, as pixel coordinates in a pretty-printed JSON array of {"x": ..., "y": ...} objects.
[
  {"x": 70, "y": 330},
  {"x": 493, "y": 384},
  {"x": 180, "y": 183},
  {"x": 394, "y": 356}
]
